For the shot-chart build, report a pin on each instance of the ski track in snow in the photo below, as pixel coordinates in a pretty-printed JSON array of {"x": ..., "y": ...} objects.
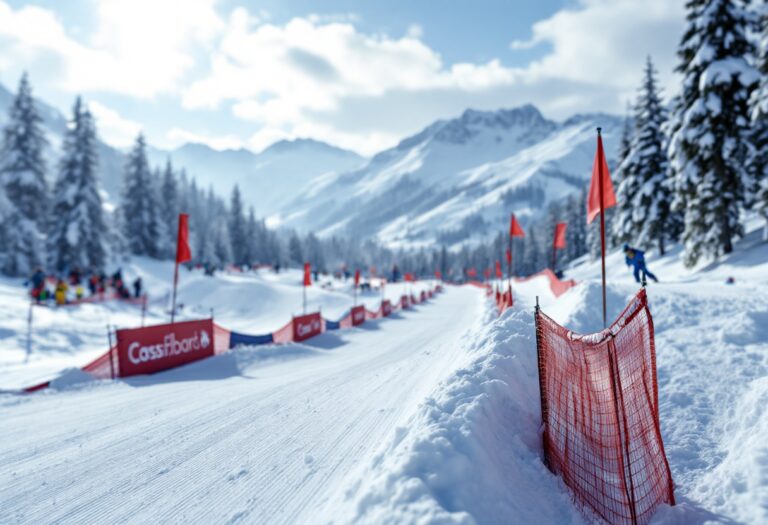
[
  {"x": 430, "y": 417},
  {"x": 266, "y": 444}
]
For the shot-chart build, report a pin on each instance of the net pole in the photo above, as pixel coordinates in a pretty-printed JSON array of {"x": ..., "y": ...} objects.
[
  {"x": 175, "y": 284},
  {"x": 111, "y": 363},
  {"x": 542, "y": 379},
  {"x": 602, "y": 232}
]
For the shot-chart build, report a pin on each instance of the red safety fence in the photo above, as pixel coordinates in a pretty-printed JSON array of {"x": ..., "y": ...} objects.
[
  {"x": 557, "y": 286},
  {"x": 600, "y": 412},
  {"x": 160, "y": 347},
  {"x": 355, "y": 317},
  {"x": 154, "y": 348},
  {"x": 405, "y": 302}
]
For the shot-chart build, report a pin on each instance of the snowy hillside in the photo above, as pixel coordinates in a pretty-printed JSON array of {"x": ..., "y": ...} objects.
[
  {"x": 71, "y": 337},
  {"x": 268, "y": 180},
  {"x": 429, "y": 417},
  {"x": 457, "y": 177}
]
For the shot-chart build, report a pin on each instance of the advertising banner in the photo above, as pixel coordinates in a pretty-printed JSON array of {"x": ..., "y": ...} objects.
[
  {"x": 155, "y": 348},
  {"x": 358, "y": 315},
  {"x": 307, "y": 326}
]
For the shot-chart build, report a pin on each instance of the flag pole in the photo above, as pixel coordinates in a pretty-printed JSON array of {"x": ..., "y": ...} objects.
[
  {"x": 304, "y": 299},
  {"x": 509, "y": 265},
  {"x": 602, "y": 226},
  {"x": 554, "y": 256},
  {"x": 175, "y": 283}
]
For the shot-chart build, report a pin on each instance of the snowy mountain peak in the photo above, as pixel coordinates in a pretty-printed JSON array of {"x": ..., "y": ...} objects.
[
  {"x": 457, "y": 177},
  {"x": 304, "y": 145}
]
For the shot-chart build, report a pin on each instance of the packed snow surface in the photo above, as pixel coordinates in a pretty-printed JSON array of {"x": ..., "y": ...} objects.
[{"x": 431, "y": 416}]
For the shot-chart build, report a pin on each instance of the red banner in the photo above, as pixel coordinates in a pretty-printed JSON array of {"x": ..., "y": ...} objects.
[
  {"x": 559, "y": 241},
  {"x": 183, "y": 253},
  {"x": 307, "y": 274},
  {"x": 307, "y": 326},
  {"x": 514, "y": 228},
  {"x": 155, "y": 348},
  {"x": 599, "y": 169},
  {"x": 357, "y": 278},
  {"x": 358, "y": 315}
]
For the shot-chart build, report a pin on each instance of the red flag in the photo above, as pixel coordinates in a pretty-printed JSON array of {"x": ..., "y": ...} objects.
[
  {"x": 509, "y": 256},
  {"x": 307, "y": 274},
  {"x": 183, "y": 253},
  {"x": 609, "y": 197},
  {"x": 472, "y": 272},
  {"x": 514, "y": 228},
  {"x": 408, "y": 277},
  {"x": 438, "y": 274},
  {"x": 560, "y": 235},
  {"x": 357, "y": 278},
  {"x": 499, "y": 275}
]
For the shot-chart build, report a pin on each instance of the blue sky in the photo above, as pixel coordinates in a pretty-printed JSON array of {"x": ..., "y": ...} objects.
[{"x": 360, "y": 75}]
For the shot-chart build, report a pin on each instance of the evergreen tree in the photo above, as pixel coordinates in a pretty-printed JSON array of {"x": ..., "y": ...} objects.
[
  {"x": 169, "y": 210},
  {"x": 314, "y": 253},
  {"x": 22, "y": 180},
  {"x": 139, "y": 214},
  {"x": 253, "y": 240},
  {"x": 238, "y": 235},
  {"x": 757, "y": 165},
  {"x": 708, "y": 146},
  {"x": 643, "y": 216},
  {"x": 295, "y": 252},
  {"x": 77, "y": 234}
]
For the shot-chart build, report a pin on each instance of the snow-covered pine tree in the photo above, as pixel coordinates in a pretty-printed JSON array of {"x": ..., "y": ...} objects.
[
  {"x": 169, "y": 210},
  {"x": 238, "y": 233},
  {"x": 295, "y": 251},
  {"x": 576, "y": 234},
  {"x": 757, "y": 165},
  {"x": 708, "y": 145},
  {"x": 643, "y": 217},
  {"x": 314, "y": 252},
  {"x": 254, "y": 238},
  {"x": 77, "y": 235},
  {"x": 22, "y": 179},
  {"x": 138, "y": 209}
]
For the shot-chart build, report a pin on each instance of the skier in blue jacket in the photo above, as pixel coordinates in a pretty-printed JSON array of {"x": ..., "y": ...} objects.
[{"x": 636, "y": 258}]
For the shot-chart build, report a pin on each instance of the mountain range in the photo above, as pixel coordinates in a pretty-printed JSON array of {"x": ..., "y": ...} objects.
[{"x": 457, "y": 178}]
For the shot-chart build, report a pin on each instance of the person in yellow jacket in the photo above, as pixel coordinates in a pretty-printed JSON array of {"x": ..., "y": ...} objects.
[{"x": 61, "y": 292}]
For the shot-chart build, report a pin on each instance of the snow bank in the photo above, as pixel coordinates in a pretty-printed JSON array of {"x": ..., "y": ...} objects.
[{"x": 472, "y": 453}]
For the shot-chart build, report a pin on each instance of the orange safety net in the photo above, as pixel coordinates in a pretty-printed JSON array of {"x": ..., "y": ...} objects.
[
  {"x": 600, "y": 412},
  {"x": 284, "y": 334},
  {"x": 105, "y": 366}
]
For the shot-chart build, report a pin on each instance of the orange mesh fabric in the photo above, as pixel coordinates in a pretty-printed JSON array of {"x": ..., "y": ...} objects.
[
  {"x": 104, "y": 366},
  {"x": 599, "y": 406}
]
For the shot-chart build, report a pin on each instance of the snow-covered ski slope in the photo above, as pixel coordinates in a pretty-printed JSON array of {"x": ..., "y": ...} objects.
[
  {"x": 72, "y": 336},
  {"x": 429, "y": 417}
]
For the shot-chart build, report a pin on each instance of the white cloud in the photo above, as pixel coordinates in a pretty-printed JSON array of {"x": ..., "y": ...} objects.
[
  {"x": 112, "y": 128},
  {"x": 606, "y": 41},
  {"x": 140, "y": 47},
  {"x": 346, "y": 87},
  {"x": 321, "y": 77}
]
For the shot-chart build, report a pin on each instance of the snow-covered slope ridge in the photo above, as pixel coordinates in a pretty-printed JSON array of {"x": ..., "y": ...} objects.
[{"x": 457, "y": 177}]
